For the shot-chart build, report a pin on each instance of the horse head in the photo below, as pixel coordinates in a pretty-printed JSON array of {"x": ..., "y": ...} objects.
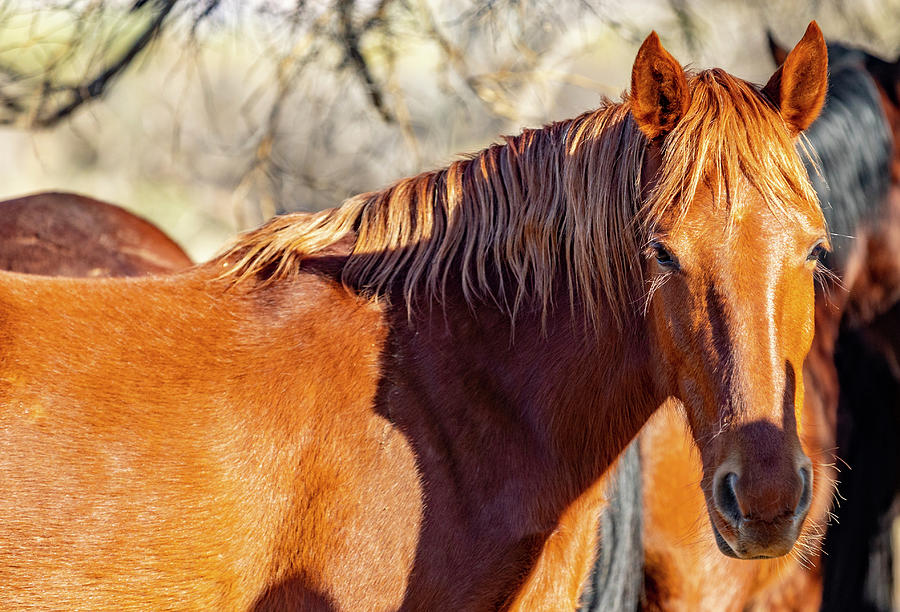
[{"x": 731, "y": 251}]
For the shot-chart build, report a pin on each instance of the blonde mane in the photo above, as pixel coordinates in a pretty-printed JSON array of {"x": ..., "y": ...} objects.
[{"x": 561, "y": 201}]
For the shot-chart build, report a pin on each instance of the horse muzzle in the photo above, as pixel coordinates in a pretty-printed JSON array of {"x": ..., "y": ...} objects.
[{"x": 750, "y": 523}]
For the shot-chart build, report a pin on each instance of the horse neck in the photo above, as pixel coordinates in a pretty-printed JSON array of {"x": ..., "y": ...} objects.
[{"x": 537, "y": 412}]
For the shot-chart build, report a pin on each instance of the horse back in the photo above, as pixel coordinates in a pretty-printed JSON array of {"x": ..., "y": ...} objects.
[{"x": 65, "y": 234}]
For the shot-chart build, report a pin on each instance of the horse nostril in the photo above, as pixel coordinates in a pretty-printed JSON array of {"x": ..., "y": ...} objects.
[
  {"x": 726, "y": 498},
  {"x": 805, "y": 494}
]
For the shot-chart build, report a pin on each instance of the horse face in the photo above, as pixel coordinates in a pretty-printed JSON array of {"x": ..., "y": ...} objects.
[
  {"x": 731, "y": 301},
  {"x": 733, "y": 315}
]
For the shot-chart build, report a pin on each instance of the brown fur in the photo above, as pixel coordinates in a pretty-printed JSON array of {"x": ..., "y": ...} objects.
[
  {"x": 795, "y": 88},
  {"x": 684, "y": 570},
  {"x": 662, "y": 91},
  {"x": 887, "y": 78},
  {"x": 338, "y": 414},
  {"x": 64, "y": 234}
]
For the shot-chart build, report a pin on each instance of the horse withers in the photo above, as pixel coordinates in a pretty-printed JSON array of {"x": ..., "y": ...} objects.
[{"x": 408, "y": 401}]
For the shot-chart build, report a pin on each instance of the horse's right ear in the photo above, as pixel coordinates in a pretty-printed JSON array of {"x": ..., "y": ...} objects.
[
  {"x": 798, "y": 87},
  {"x": 779, "y": 53},
  {"x": 659, "y": 89}
]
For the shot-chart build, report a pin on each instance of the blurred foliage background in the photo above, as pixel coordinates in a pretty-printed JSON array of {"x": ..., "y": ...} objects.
[{"x": 208, "y": 116}]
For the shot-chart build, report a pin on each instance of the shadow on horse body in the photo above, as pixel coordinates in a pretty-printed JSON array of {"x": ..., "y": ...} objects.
[
  {"x": 854, "y": 145},
  {"x": 65, "y": 234},
  {"x": 412, "y": 401}
]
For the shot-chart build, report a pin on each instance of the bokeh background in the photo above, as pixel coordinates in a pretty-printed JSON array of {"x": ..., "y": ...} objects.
[{"x": 208, "y": 116}]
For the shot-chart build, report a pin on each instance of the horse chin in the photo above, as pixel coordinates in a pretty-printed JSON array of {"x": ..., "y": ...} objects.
[
  {"x": 738, "y": 552},
  {"x": 724, "y": 546},
  {"x": 728, "y": 551}
]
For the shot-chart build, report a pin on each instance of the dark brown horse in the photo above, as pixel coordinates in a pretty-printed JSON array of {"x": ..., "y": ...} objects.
[
  {"x": 854, "y": 146},
  {"x": 412, "y": 401},
  {"x": 859, "y": 559},
  {"x": 65, "y": 234}
]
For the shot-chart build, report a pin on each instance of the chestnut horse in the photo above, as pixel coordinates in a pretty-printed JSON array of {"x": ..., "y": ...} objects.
[
  {"x": 853, "y": 143},
  {"x": 65, "y": 234},
  {"x": 412, "y": 401}
]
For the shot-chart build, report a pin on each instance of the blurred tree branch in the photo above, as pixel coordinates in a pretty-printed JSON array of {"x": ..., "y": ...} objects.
[
  {"x": 310, "y": 68},
  {"x": 349, "y": 36},
  {"x": 39, "y": 93},
  {"x": 57, "y": 100}
]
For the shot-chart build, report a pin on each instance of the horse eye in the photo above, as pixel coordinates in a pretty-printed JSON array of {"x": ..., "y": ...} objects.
[
  {"x": 817, "y": 253},
  {"x": 663, "y": 257}
]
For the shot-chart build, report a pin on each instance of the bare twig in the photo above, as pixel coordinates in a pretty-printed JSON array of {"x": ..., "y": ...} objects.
[
  {"x": 349, "y": 37},
  {"x": 98, "y": 85}
]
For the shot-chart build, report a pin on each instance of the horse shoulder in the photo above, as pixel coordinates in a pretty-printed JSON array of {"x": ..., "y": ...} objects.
[{"x": 348, "y": 536}]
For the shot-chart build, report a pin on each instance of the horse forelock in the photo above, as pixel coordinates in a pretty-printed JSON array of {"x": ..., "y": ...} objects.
[
  {"x": 561, "y": 202},
  {"x": 730, "y": 133}
]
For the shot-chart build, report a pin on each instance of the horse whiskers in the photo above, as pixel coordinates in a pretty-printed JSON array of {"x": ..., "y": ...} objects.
[
  {"x": 827, "y": 277},
  {"x": 839, "y": 458},
  {"x": 802, "y": 560},
  {"x": 812, "y": 537},
  {"x": 697, "y": 536},
  {"x": 805, "y": 553},
  {"x": 828, "y": 281}
]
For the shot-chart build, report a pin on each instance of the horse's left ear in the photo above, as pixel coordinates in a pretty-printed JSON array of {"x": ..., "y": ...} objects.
[
  {"x": 659, "y": 89},
  {"x": 798, "y": 87}
]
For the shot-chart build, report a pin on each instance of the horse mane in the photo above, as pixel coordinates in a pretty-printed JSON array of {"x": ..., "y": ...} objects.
[
  {"x": 853, "y": 145},
  {"x": 560, "y": 201}
]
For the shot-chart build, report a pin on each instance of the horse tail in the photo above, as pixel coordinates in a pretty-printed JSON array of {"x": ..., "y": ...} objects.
[{"x": 617, "y": 578}]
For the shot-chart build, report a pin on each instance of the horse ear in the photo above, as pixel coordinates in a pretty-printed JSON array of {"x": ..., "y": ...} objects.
[
  {"x": 779, "y": 53},
  {"x": 798, "y": 87},
  {"x": 659, "y": 89}
]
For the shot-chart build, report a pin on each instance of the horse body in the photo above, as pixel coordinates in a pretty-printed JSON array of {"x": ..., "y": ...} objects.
[
  {"x": 407, "y": 402},
  {"x": 859, "y": 557},
  {"x": 66, "y": 234},
  {"x": 196, "y": 443},
  {"x": 475, "y": 500},
  {"x": 199, "y": 445}
]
